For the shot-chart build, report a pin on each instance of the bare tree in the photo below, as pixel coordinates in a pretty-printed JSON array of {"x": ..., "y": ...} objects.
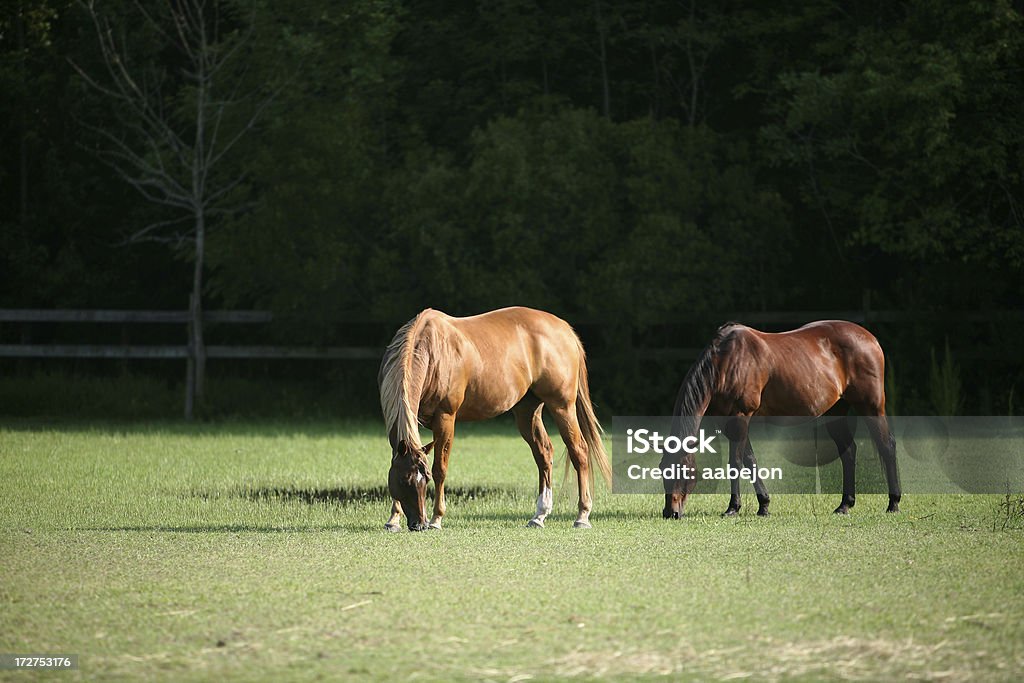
[
  {"x": 602, "y": 42},
  {"x": 697, "y": 36},
  {"x": 176, "y": 130}
]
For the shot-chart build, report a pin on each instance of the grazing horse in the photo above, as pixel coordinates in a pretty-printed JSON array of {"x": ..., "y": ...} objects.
[
  {"x": 439, "y": 370},
  {"x": 822, "y": 368}
]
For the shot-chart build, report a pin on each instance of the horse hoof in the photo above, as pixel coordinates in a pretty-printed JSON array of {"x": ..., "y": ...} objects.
[
  {"x": 893, "y": 509},
  {"x": 763, "y": 512},
  {"x": 435, "y": 526},
  {"x": 731, "y": 512},
  {"x": 393, "y": 528},
  {"x": 581, "y": 524},
  {"x": 535, "y": 524},
  {"x": 841, "y": 510}
]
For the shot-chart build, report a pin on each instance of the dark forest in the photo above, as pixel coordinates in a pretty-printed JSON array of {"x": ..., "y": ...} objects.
[{"x": 646, "y": 170}]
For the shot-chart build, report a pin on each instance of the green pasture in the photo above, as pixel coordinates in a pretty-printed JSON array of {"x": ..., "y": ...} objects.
[{"x": 254, "y": 551}]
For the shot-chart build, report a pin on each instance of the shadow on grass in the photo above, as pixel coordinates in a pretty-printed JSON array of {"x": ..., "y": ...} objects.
[
  {"x": 520, "y": 506},
  {"x": 595, "y": 516},
  {"x": 518, "y": 510},
  {"x": 235, "y": 528},
  {"x": 348, "y": 495}
]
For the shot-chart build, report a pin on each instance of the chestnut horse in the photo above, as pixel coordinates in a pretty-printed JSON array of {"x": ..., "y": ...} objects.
[
  {"x": 822, "y": 368},
  {"x": 439, "y": 370}
]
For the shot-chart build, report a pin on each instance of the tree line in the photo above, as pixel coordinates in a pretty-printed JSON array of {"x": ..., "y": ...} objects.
[{"x": 630, "y": 162}]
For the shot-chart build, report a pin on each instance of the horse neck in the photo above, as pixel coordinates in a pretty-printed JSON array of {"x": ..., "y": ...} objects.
[
  {"x": 686, "y": 425},
  {"x": 403, "y": 377},
  {"x": 416, "y": 383},
  {"x": 695, "y": 395}
]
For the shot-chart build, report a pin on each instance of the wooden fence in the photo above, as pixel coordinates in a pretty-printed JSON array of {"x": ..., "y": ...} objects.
[
  {"x": 183, "y": 351},
  {"x": 186, "y": 352},
  {"x": 126, "y": 351}
]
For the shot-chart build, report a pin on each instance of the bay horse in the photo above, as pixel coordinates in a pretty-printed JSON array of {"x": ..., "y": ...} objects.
[
  {"x": 822, "y": 368},
  {"x": 439, "y": 370}
]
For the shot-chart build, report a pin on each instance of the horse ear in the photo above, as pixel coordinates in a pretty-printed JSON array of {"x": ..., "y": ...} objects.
[
  {"x": 426, "y": 449},
  {"x": 403, "y": 450}
]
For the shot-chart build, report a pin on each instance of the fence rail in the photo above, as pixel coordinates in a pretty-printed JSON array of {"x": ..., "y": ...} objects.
[
  {"x": 176, "y": 352},
  {"x": 747, "y": 317},
  {"x": 120, "y": 316},
  {"x": 186, "y": 352}
]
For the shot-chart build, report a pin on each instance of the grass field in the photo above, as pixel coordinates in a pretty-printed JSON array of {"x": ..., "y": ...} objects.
[{"x": 240, "y": 551}]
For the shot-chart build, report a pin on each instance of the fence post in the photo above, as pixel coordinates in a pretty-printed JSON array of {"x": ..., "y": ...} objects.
[
  {"x": 125, "y": 341},
  {"x": 26, "y": 339},
  {"x": 199, "y": 345},
  {"x": 190, "y": 368}
]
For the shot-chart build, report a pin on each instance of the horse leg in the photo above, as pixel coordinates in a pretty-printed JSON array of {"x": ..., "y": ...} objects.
[
  {"x": 842, "y": 434},
  {"x": 394, "y": 522},
  {"x": 885, "y": 442},
  {"x": 444, "y": 434},
  {"x": 760, "y": 490},
  {"x": 531, "y": 427},
  {"x": 734, "y": 484},
  {"x": 569, "y": 428},
  {"x": 736, "y": 431}
]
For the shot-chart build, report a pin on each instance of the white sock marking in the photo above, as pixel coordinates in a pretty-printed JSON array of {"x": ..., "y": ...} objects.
[{"x": 544, "y": 503}]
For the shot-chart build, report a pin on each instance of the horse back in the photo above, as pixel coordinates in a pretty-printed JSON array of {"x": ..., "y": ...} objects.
[
  {"x": 861, "y": 359},
  {"x": 508, "y": 352},
  {"x": 807, "y": 370}
]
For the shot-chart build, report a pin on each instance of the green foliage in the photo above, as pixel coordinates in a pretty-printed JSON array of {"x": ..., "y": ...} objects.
[
  {"x": 317, "y": 167},
  {"x": 892, "y": 389},
  {"x": 649, "y": 219},
  {"x": 945, "y": 385},
  {"x": 753, "y": 156},
  {"x": 55, "y": 395},
  {"x": 904, "y": 134},
  {"x": 707, "y": 234},
  {"x": 534, "y": 186}
]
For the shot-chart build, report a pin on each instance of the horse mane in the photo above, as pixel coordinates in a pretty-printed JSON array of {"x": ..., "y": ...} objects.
[
  {"x": 415, "y": 360},
  {"x": 695, "y": 393}
]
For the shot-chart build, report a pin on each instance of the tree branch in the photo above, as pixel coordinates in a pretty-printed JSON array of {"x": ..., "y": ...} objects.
[{"x": 151, "y": 154}]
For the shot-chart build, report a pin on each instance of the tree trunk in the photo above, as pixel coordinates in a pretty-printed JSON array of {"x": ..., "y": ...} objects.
[
  {"x": 695, "y": 73},
  {"x": 190, "y": 373},
  {"x": 656, "y": 70},
  {"x": 197, "y": 307},
  {"x": 602, "y": 40},
  {"x": 199, "y": 171},
  {"x": 19, "y": 22}
]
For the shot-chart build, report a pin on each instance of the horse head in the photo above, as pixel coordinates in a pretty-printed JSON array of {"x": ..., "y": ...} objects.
[
  {"x": 677, "y": 489},
  {"x": 407, "y": 482}
]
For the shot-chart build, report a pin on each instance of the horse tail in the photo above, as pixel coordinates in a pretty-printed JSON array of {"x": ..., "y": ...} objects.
[{"x": 589, "y": 426}]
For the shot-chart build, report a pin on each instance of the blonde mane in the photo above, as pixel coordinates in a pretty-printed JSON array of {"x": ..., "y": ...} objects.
[{"x": 416, "y": 360}]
